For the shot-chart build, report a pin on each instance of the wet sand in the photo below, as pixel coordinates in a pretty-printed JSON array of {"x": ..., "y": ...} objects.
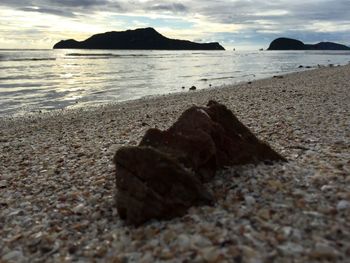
[{"x": 57, "y": 180}]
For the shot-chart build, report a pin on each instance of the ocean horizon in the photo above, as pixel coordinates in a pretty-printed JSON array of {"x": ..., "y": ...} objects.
[{"x": 38, "y": 80}]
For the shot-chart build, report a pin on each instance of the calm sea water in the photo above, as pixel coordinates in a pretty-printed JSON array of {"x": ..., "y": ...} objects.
[{"x": 43, "y": 80}]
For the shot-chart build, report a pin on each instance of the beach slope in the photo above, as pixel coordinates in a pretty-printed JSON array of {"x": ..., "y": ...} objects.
[{"x": 57, "y": 180}]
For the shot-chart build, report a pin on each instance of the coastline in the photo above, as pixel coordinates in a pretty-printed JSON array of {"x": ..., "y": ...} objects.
[
  {"x": 57, "y": 179},
  {"x": 47, "y": 85}
]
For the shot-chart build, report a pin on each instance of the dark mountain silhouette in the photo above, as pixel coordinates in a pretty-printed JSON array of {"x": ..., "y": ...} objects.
[
  {"x": 293, "y": 44},
  {"x": 143, "y": 38},
  {"x": 329, "y": 46}
]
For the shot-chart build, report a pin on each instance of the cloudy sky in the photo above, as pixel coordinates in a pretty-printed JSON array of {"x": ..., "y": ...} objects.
[{"x": 243, "y": 24}]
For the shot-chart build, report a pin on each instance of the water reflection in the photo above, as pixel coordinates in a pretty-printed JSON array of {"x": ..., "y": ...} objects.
[{"x": 48, "y": 79}]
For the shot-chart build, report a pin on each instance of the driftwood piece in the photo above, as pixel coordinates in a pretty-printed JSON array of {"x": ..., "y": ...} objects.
[{"x": 163, "y": 176}]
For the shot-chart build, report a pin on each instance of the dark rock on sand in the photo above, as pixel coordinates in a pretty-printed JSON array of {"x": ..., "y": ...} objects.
[
  {"x": 152, "y": 185},
  {"x": 193, "y": 88},
  {"x": 163, "y": 176},
  {"x": 142, "y": 38},
  {"x": 235, "y": 143}
]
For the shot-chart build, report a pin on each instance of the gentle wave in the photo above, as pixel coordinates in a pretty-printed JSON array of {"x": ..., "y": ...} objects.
[
  {"x": 334, "y": 53},
  {"x": 90, "y": 55},
  {"x": 28, "y": 77},
  {"x": 227, "y": 77},
  {"x": 102, "y": 55},
  {"x": 49, "y": 79},
  {"x": 26, "y": 59},
  {"x": 111, "y": 55}
]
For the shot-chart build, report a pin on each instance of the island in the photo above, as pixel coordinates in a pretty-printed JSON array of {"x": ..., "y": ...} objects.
[
  {"x": 142, "y": 38},
  {"x": 293, "y": 44}
]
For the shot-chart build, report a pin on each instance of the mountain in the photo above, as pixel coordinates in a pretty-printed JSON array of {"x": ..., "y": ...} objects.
[
  {"x": 142, "y": 38},
  {"x": 293, "y": 44},
  {"x": 329, "y": 46}
]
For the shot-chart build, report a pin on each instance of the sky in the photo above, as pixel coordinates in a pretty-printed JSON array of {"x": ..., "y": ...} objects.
[{"x": 239, "y": 24}]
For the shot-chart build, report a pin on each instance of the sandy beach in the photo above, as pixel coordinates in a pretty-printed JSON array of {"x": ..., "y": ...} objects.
[{"x": 57, "y": 180}]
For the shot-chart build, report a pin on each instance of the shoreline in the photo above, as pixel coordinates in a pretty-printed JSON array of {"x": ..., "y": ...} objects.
[
  {"x": 57, "y": 179},
  {"x": 44, "y": 90},
  {"x": 37, "y": 114}
]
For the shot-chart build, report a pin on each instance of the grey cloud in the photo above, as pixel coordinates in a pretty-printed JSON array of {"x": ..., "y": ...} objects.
[
  {"x": 77, "y": 3},
  {"x": 62, "y": 7},
  {"x": 221, "y": 11},
  {"x": 57, "y": 12},
  {"x": 91, "y": 6},
  {"x": 322, "y": 10},
  {"x": 298, "y": 12},
  {"x": 256, "y": 16},
  {"x": 172, "y": 7}
]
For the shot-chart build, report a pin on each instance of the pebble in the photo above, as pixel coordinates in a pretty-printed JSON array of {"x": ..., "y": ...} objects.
[
  {"x": 264, "y": 213},
  {"x": 250, "y": 255},
  {"x": 13, "y": 256},
  {"x": 249, "y": 200},
  {"x": 287, "y": 231},
  {"x": 79, "y": 209},
  {"x": 200, "y": 241},
  {"x": 3, "y": 184},
  {"x": 166, "y": 254},
  {"x": 169, "y": 236},
  {"x": 5, "y": 176},
  {"x": 323, "y": 251},
  {"x": 290, "y": 249},
  {"x": 343, "y": 205},
  {"x": 183, "y": 241},
  {"x": 325, "y": 188},
  {"x": 211, "y": 254},
  {"x": 147, "y": 258}
]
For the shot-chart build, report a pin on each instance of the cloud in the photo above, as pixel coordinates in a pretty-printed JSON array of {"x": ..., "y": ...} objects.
[
  {"x": 169, "y": 7},
  {"x": 220, "y": 11},
  {"x": 257, "y": 21},
  {"x": 77, "y": 3},
  {"x": 57, "y": 12},
  {"x": 65, "y": 8}
]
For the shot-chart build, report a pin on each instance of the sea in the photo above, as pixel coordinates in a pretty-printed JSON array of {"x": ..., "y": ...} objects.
[{"x": 45, "y": 80}]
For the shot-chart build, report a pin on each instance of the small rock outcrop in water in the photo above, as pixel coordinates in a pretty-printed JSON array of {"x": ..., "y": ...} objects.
[
  {"x": 142, "y": 38},
  {"x": 293, "y": 44},
  {"x": 163, "y": 176}
]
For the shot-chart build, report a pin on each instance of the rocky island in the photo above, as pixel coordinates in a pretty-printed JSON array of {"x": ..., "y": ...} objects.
[
  {"x": 143, "y": 38},
  {"x": 293, "y": 44}
]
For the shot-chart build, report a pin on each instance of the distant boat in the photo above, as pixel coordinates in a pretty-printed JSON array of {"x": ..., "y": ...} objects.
[{"x": 261, "y": 49}]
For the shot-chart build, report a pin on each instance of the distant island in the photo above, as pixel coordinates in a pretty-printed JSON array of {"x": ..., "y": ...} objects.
[
  {"x": 293, "y": 44},
  {"x": 143, "y": 38}
]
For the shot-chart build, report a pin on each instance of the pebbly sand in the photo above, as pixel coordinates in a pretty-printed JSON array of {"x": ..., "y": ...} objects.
[{"x": 57, "y": 180}]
